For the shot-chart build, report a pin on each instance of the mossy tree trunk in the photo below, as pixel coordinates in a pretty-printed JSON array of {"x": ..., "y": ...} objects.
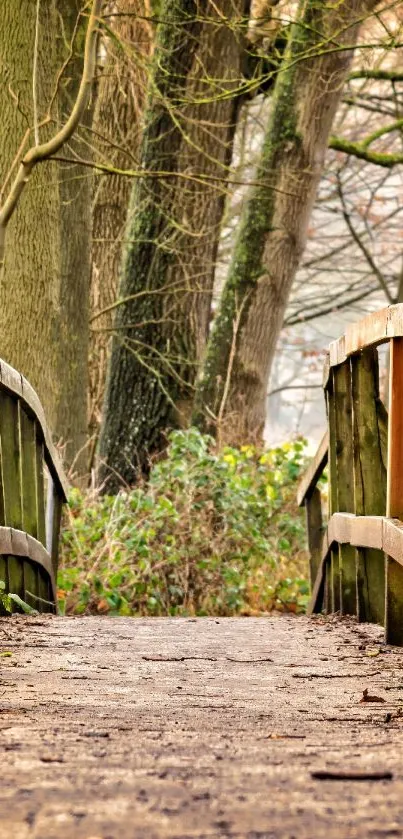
[
  {"x": 231, "y": 396},
  {"x": 75, "y": 266},
  {"x": 117, "y": 123},
  {"x": 172, "y": 232}
]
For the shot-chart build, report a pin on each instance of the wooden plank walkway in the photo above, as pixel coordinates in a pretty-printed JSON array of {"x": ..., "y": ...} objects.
[{"x": 156, "y": 728}]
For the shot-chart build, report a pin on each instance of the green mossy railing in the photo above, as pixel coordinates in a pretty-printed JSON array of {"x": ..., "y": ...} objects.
[{"x": 32, "y": 492}]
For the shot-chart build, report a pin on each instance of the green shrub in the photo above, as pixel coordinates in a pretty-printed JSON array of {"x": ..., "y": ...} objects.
[{"x": 210, "y": 533}]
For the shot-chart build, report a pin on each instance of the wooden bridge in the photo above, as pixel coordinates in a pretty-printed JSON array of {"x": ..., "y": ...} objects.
[
  {"x": 32, "y": 491},
  {"x": 356, "y": 561},
  {"x": 181, "y": 728}
]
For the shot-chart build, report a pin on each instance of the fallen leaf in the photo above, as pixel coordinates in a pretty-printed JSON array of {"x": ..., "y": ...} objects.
[
  {"x": 366, "y": 697},
  {"x": 372, "y": 651}
]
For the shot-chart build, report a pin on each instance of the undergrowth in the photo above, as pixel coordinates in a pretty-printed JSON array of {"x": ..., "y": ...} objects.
[{"x": 210, "y": 533}]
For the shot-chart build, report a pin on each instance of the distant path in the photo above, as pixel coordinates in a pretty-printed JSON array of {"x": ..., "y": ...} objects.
[{"x": 154, "y": 728}]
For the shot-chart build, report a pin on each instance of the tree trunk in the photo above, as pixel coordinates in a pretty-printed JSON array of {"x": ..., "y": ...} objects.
[
  {"x": 30, "y": 284},
  {"x": 173, "y": 230},
  {"x": 75, "y": 237},
  {"x": 44, "y": 288},
  {"x": 117, "y": 123},
  {"x": 232, "y": 391}
]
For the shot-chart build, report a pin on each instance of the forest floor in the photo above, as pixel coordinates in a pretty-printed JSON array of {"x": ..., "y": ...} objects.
[{"x": 118, "y": 728}]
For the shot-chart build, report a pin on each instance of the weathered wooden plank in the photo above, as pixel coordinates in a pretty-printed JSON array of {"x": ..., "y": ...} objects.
[
  {"x": 340, "y": 527},
  {"x": 394, "y": 603},
  {"x": 392, "y": 541},
  {"x": 327, "y": 598},
  {"x": 334, "y": 575},
  {"x": 394, "y": 326},
  {"x": 375, "y": 531},
  {"x": 44, "y": 591},
  {"x": 10, "y": 460},
  {"x": 2, "y": 521},
  {"x": 17, "y": 544},
  {"x": 27, "y": 430},
  {"x": 367, "y": 532},
  {"x": 16, "y": 578},
  {"x": 337, "y": 352},
  {"x": 393, "y": 547},
  {"x": 30, "y": 584},
  {"x": 395, "y": 431},
  {"x": 326, "y": 371},
  {"x": 40, "y": 493},
  {"x": 314, "y": 523},
  {"x": 12, "y": 381},
  {"x": 382, "y": 415},
  {"x": 312, "y": 474},
  {"x": 4, "y": 578},
  {"x": 345, "y": 481},
  {"x": 57, "y": 518},
  {"x": 369, "y": 485},
  {"x": 394, "y": 571},
  {"x": 370, "y": 331}
]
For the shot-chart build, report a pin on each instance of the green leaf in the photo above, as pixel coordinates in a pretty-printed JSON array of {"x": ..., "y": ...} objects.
[{"x": 22, "y": 604}]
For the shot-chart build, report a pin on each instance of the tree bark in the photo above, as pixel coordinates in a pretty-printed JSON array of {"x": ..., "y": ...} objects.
[
  {"x": 75, "y": 238},
  {"x": 30, "y": 284},
  {"x": 117, "y": 127},
  {"x": 232, "y": 391},
  {"x": 172, "y": 234},
  {"x": 44, "y": 287}
]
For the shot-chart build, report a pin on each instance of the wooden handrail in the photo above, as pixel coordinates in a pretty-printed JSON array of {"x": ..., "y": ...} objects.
[
  {"x": 18, "y": 543},
  {"x": 371, "y": 331},
  {"x": 378, "y": 532},
  {"x": 356, "y": 563},
  {"x": 14, "y": 382}
]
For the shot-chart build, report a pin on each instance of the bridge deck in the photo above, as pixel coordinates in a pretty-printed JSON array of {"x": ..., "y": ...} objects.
[{"x": 118, "y": 728}]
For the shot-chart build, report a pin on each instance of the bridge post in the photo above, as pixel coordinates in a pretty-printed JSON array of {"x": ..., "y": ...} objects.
[
  {"x": 314, "y": 526},
  {"x": 332, "y": 583},
  {"x": 345, "y": 480},
  {"x": 369, "y": 481},
  {"x": 394, "y": 571}
]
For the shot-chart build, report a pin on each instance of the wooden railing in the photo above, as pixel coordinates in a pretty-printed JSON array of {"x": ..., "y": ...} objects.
[
  {"x": 29, "y": 471},
  {"x": 356, "y": 561}
]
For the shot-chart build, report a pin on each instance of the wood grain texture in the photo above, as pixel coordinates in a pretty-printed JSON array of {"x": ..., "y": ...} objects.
[
  {"x": 394, "y": 571},
  {"x": 370, "y": 331},
  {"x": 10, "y": 460},
  {"x": 314, "y": 525},
  {"x": 373, "y": 532},
  {"x": 334, "y": 574},
  {"x": 345, "y": 481},
  {"x": 16, "y": 543},
  {"x": 395, "y": 431}
]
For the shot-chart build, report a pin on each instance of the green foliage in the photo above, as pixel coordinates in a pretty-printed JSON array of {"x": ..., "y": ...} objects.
[
  {"x": 211, "y": 533},
  {"x": 10, "y": 601}
]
